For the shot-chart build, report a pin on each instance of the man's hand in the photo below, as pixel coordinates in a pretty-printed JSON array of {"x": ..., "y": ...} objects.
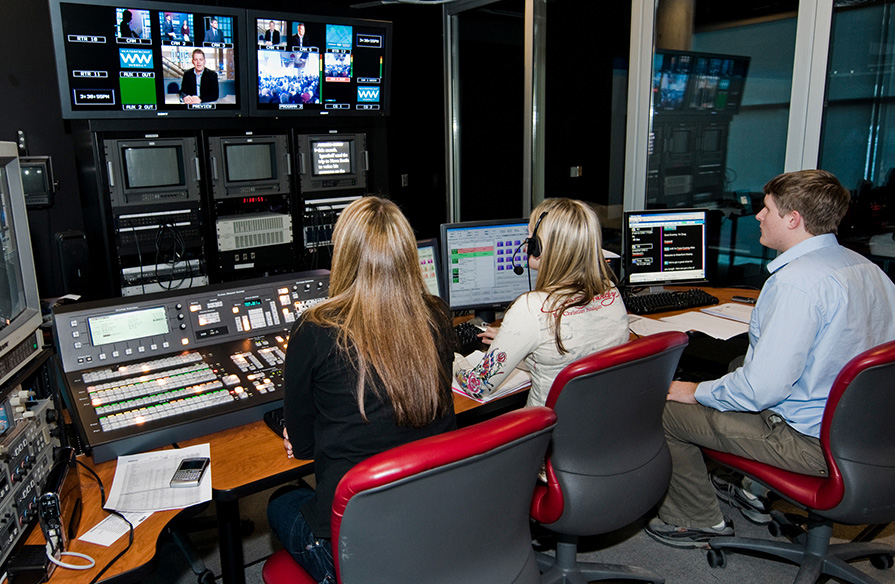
[{"x": 683, "y": 392}]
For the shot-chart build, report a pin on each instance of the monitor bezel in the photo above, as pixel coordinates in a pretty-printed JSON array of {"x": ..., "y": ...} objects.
[
  {"x": 239, "y": 52},
  {"x": 446, "y": 261},
  {"x": 626, "y": 252},
  {"x": 224, "y": 188}
]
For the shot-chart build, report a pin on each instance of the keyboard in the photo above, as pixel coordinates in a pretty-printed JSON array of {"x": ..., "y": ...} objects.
[
  {"x": 276, "y": 421},
  {"x": 467, "y": 337},
  {"x": 668, "y": 301}
]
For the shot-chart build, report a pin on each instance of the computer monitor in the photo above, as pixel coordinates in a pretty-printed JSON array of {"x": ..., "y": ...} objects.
[
  {"x": 152, "y": 171},
  {"x": 480, "y": 261},
  {"x": 664, "y": 246},
  {"x": 319, "y": 65},
  {"x": 430, "y": 260},
  {"x": 150, "y": 60},
  {"x": 333, "y": 162},
  {"x": 20, "y": 316},
  {"x": 249, "y": 167}
]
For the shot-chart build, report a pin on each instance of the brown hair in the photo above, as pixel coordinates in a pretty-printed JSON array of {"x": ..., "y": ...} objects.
[
  {"x": 817, "y": 195},
  {"x": 377, "y": 295}
]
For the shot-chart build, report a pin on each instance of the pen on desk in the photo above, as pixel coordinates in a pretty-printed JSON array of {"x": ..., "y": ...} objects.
[{"x": 743, "y": 299}]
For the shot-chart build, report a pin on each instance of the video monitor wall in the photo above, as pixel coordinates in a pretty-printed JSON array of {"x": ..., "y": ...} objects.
[
  {"x": 116, "y": 60},
  {"x": 318, "y": 66},
  {"x": 153, "y": 59},
  {"x": 698, "y": 82}
]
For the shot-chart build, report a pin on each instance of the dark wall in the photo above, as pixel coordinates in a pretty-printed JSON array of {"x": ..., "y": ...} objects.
[{"x": 29, "y": 101}]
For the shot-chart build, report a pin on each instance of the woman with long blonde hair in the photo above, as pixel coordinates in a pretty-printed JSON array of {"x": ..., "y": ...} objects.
[
  {"x": 359, "y": 378},
  {"x": 574, "y": 310}
]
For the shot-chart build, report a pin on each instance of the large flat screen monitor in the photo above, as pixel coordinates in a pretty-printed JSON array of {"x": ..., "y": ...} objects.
[
  {"x": 479, "y": 264},
  {"x": 664, "y": 246},
  {"x": 148, "y": 60},
  {"x": 313, "y": 65}
]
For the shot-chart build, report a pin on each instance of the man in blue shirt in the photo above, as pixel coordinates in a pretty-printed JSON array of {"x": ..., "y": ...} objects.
[{"x": 822, "y": 305}]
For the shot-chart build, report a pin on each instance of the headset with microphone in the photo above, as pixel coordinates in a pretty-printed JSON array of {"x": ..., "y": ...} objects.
[{"x": 534, "y": 246}]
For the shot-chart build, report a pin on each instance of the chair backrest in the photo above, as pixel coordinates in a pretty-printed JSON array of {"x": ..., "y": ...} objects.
[
  {"x": 446, "y": 509},
  {"x": 608, "y": 461},
  {"x": 858, "y": 439}
]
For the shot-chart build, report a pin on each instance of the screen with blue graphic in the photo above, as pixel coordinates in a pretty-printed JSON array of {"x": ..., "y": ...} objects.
[
  {"x": 170, "y": 60},
  {"x": 312, "y": 65}
]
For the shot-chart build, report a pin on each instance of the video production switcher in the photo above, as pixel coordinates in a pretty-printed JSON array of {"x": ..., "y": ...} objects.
[{"x": 144, "y": 372}]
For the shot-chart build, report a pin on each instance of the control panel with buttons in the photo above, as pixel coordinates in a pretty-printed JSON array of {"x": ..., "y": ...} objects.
[{"x": 145, "y": 373}]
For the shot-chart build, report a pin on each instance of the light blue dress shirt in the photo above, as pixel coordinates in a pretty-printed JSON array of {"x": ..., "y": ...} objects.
[{"x": 823, "y": 305}]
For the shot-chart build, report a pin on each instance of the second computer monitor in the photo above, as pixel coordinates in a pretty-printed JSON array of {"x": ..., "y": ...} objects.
[
  {"x": 480, "y": 258},
  {"x": 664, "y": 246},
  {"x": 427, "y": 250}
]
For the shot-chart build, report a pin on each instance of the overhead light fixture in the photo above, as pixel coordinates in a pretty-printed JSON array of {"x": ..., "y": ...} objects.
[{"x": 384, "y": 2}]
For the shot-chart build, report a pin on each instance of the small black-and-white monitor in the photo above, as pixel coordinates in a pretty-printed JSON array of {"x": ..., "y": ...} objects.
[
  {"x": 480, "y": 258},
  {"x": 664, "y": 246}
]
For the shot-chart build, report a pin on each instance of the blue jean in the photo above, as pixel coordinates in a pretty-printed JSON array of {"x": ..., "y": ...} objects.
[{"x": 313, "y": 554}]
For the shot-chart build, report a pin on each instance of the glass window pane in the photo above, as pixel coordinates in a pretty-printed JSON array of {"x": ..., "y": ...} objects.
[
  {"x": 858, "y": 143},
  {"x": 719, "y": 124}
]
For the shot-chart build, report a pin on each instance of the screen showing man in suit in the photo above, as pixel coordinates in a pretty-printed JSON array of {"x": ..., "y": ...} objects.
[{"x": 199, "y": 84}]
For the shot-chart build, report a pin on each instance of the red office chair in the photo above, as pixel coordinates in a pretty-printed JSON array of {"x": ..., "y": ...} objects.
[
  {"x": 608, "y": 462},
  {"x": 446, "y": 509},
  {"x": 858, "y": 440}
]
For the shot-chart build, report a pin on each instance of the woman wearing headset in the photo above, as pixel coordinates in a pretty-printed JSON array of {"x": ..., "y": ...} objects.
[{"x": 573, "y": 311}]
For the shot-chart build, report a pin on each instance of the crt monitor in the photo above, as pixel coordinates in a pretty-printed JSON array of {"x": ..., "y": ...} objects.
[
  {"x": 148, "y": 60},
  {"x": 664, "y": 246},
  {"x": 249, "y": 167},
  {"x": 152, "y": 171},
  {"x": 332, "y": 162},
  {"x": 20, "y": 339},
  {"x": 479, "y": 264},
  {"x": 430, "y": 260}
]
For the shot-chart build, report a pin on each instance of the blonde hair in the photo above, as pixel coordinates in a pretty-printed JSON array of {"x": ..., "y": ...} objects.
[
  {"x": 572, "y": 269},
  {"x": 377, "y": 299}
]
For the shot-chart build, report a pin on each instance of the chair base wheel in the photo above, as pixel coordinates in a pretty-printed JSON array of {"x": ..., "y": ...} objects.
[
  {"x": 716, "y": 558},
  {"x": 882, "y": 562}
]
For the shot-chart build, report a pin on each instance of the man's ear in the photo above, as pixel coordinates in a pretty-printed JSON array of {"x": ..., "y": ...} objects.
[{"x": 795, "y": 220}]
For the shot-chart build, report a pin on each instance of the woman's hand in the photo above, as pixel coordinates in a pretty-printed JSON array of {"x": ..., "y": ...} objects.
[
  {"x": 488, "y": 334},
  {"x": 286, "y": 444}
]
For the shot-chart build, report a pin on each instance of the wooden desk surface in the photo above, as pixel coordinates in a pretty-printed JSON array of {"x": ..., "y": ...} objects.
[{"x": 247, "y": 456}]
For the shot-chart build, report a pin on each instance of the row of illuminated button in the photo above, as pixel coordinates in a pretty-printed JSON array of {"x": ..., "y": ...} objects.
[
  {"x": 150, "y": 384},
  {"x": 141, "y": 368},
  {"x": 156, "y": 398},
  {"x": 166, "y": 410}
]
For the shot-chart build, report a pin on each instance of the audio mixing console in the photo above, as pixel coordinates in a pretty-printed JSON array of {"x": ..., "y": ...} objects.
[{"x": 143, "y": 372}]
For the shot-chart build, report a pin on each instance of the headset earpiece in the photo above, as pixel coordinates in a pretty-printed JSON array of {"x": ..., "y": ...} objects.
[{"x": 534, "y": 244}]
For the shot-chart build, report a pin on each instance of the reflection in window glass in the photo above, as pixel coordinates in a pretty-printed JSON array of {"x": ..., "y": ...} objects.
[
  {"x": 858, "y": 143},
  {"x": 719, "y": 128}
]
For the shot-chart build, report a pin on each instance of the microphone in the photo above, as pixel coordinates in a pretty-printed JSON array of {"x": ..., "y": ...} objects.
[{"x": 518, "y": 270}]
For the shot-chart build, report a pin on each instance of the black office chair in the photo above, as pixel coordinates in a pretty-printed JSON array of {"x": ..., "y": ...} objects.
[
  {"x": 442, "y": 510},
  {"x": 608, "y": 462},
  {"x": 858, "y": 440}
]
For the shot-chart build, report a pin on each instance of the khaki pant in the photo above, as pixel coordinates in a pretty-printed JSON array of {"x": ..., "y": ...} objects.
[{"x": 763, "y": 436}]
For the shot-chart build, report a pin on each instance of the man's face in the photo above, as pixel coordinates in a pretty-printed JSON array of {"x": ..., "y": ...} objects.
[
  {"x": 214, "y": 24},
  {"x": 199, "y": 62},
  {"x": 301, "y": 30},
  {"x": 773, "y": 226},
  {"x": 270, "y": 25}
]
